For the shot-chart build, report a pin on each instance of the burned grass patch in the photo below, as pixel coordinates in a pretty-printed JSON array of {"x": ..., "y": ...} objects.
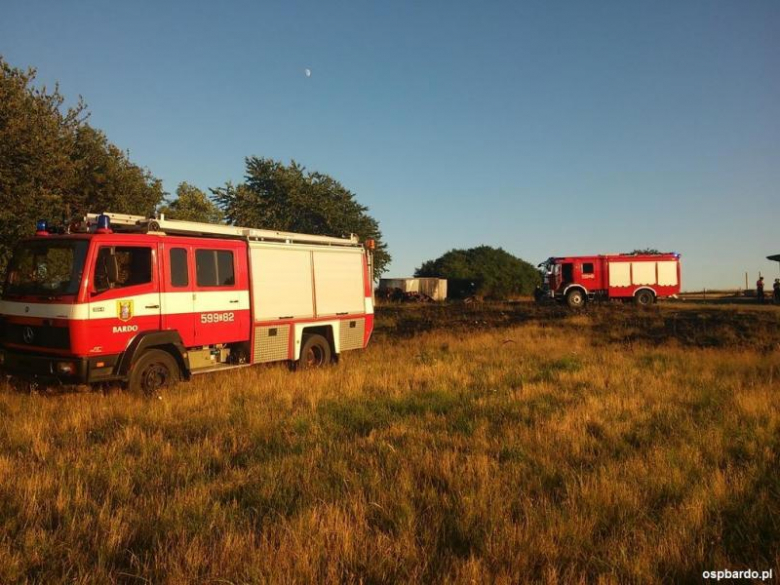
[{"x": 725, "y": 326}]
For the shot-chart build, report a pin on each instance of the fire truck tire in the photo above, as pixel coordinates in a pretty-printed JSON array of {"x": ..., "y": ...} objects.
[
  {"x": 644, "y": 298},
  {"x": 154, "y": 371},
  {"x": 315, "y": 352},
  {"x": 575, "y": 299}
]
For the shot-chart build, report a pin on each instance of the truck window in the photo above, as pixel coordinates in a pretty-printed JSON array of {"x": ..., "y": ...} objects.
[
  {"x": 46, "y": 266},
  {"x": 179, "y": 275},
  {"x": 122, "y": 266},
  {"x": 587, "y": 267},
  {"x": 214, "y": 268}
]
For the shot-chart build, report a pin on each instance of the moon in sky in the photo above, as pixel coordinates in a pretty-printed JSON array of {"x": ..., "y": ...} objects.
[{"x": 307, "y": 71}]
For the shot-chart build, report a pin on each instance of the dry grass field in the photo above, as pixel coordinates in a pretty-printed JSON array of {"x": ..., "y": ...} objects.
[{"x": 467, "y": 444}]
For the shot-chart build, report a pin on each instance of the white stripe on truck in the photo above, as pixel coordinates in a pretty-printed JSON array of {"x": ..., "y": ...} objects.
[{"x": 169, "y": 303}]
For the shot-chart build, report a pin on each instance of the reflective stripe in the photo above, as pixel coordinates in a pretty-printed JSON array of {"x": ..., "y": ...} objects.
[
  {"x": 143, "y": 305},
  {"x": 209, "y": 301},
  {"x": 110, "y": 309}
]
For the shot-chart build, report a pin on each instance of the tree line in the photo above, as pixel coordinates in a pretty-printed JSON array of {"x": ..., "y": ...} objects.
[
  {"x": 55, "y": 165},
  {"x": 484, "y": 271}
]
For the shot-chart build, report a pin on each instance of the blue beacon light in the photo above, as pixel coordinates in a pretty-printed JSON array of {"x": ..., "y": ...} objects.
[
  {"x": 42, "y": 228},
  {"x": 103, "y": 224}
]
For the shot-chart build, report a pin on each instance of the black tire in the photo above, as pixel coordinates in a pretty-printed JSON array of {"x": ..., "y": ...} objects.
[
  {"x": 155, "y": 371},
  {"x": 575, "y": 299},
  {"x": 315, "y": 352},
  {"x": 644, "y": 298}
]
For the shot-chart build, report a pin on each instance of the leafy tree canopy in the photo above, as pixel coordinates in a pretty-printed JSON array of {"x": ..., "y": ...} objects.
[
  {"x": 54, "y": 165},
  {"x": 192, "y": 204},
  {"x": 495, "y": 273},
  {"x": 288, "y": 198}
]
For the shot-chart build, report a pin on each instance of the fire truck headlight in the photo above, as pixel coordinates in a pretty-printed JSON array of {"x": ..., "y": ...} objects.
[{"x": 66, "y": 368}]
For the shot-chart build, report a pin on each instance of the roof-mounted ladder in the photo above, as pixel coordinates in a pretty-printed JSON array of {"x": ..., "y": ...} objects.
[{"x": 139, "y": 223}]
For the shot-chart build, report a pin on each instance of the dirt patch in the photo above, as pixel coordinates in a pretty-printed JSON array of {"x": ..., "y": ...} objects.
[
  {"x": 409, "y": 320},
  {"x": 699, "y": 326}
]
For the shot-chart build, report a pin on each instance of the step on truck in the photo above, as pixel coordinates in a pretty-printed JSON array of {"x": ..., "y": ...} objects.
[
  {"x": 641, "y": 278},
  {"x": 147, "y": 301}
]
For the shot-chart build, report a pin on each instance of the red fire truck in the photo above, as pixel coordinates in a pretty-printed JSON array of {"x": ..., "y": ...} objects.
[
  {"x": 145, "y": 302},
  {"x": 642, "y": 278}
]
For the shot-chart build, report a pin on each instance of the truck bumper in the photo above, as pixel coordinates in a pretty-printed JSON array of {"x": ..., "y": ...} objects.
[
  {"x": 57, "y": 369},
  {"x": 544, "y": 295}
]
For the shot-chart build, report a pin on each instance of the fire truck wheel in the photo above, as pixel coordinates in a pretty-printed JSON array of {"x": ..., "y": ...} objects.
[
  {"x": 575, "y": 299},
  {"x": 644, "y": 298},
  {"x": 154, "y": 371},
  {"x": 315, "y": 352}
]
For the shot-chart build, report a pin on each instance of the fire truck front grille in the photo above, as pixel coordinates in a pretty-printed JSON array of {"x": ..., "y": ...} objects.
[
  {"x": 351, "y": 334},
  {"x": 271, "y": 343},
  {"x": 37, "y": 336}
]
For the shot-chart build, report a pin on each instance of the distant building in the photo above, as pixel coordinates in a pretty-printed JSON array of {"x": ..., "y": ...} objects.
[{"x": 436, "y": 288}]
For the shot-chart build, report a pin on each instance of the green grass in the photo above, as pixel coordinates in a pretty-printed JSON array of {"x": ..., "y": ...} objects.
[{"x": 525, "y": 453}]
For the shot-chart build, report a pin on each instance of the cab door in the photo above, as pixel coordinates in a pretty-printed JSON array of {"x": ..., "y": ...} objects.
[
  {"x": 178, "y": 298},
  {"x": 567, "y": 273},
  {"x": 124, "y": 295},
  {"x": 221, "y": 293}
]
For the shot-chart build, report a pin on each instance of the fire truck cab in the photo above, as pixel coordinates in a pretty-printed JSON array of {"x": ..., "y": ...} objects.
[
  {"x": 146, "y": 302},
  {"x": 643, "y": 278}
]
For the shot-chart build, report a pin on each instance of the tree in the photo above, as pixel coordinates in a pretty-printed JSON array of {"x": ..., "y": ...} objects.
[
  {"x": 494, "y": 272},
  {"x": 106, "y": 179},
  {"x": 35, "y": 141},
  {"x": 54, "y": 165},
  {"x": 192, "y": 204},
  {"x": 288, "y": 198}
]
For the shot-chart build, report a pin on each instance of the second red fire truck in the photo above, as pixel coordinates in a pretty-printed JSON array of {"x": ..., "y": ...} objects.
[
  {"x": 642, "y": 278},
  {"x": 148, "y": 301}
]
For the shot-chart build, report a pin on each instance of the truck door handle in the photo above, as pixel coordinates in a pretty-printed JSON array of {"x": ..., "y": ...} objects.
[
  {"x": 234, "y": 301},
  {"x": 152, "y": 306}
]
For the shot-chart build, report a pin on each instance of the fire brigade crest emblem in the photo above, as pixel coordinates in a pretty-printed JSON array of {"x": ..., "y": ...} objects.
[{"x": 124, "y": 310}]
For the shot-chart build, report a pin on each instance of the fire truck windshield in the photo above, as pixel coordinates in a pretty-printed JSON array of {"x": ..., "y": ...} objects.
[{"x": 46, "y": 267}]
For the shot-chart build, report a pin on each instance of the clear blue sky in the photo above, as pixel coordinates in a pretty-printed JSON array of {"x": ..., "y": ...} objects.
[{"x": 547, "y": 128}]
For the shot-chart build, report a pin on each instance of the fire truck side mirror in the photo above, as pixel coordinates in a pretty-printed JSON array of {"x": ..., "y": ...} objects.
[
  {"x": 112, "y": 269},
  {"x": 106, "y": 270}
]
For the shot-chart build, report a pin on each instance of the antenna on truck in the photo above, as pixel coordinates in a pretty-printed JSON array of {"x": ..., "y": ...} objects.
[{"x": 138, "y": 223}]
